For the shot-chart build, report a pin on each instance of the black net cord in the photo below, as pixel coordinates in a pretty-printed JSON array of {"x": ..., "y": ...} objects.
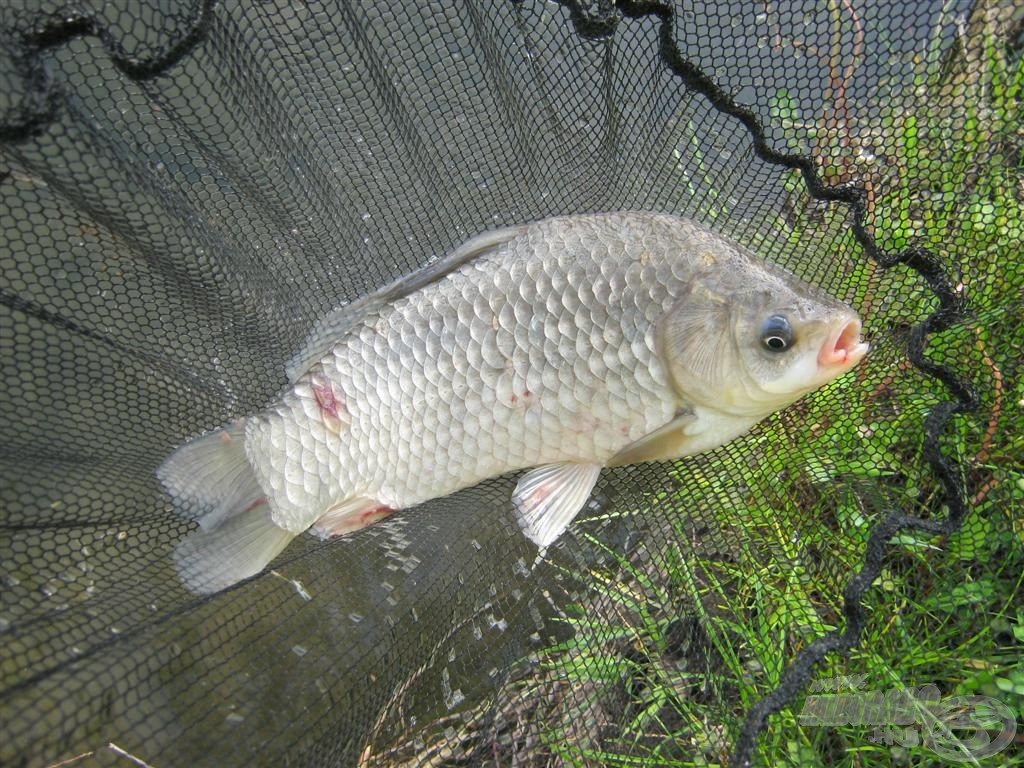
[{"x": 43, "y": 100}]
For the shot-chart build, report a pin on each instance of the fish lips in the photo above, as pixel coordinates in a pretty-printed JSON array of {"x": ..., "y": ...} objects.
[{"x": 843, "y": 348}]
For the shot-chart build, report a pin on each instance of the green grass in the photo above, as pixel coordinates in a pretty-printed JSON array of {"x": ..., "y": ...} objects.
[{"x": 767, "y": 572}]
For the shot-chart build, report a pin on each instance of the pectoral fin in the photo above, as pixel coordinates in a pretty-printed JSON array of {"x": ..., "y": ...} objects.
[
  {"x": 664, "y": 443},
  {"x": 548, "y": 498}
]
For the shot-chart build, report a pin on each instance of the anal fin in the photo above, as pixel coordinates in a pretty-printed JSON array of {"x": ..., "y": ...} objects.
[
  {"x": 349, "y": 516},
  {"x": 548, "y": 498}
]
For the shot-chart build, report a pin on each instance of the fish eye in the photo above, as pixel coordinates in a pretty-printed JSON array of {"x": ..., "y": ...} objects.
[{"x": 776, "y": 334}]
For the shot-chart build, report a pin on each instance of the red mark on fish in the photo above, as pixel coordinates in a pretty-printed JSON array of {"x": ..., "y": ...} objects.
[
  {"x": 332, "y": 407},
  {"x": 251, "y": 507},
  {"x": 325, "y": 399},
  {"x": 354, "y": 521},
  {"x": 514, "y": 398},
  {"x": 374, "y": 514}
]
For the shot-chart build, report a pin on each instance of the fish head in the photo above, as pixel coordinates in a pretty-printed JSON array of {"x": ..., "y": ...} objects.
[{"x": 751, "y": 340}]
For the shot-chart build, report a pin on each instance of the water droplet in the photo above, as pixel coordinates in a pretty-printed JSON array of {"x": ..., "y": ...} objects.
[{"x": 452, "y": 698}]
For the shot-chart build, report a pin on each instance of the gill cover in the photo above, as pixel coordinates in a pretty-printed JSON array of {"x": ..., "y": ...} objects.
[{"x": 695, "y": 342}]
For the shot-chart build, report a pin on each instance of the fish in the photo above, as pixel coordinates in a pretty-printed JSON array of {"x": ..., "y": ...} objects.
[{"x": 559, "y": 347}]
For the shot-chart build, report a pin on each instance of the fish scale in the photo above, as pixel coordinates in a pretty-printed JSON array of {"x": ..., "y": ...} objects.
[
  {"x": 447, "y": 418},
  {"x": 563, "y": 346}
]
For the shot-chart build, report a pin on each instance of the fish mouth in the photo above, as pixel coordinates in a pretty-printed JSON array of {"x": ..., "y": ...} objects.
[{"x": 843, "y": 348}]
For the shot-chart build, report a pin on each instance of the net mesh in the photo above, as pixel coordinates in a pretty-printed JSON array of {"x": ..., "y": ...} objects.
[{"x": 186, "y": 188}]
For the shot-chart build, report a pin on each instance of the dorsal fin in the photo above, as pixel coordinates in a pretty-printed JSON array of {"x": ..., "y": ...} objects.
[{"x": 338, "y": 321}]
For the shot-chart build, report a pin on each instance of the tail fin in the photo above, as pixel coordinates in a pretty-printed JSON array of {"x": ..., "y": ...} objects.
[{"x": 210, "y": 480}]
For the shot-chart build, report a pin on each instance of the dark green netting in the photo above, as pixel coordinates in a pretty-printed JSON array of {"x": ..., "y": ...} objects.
[{"x": 185, "y": 188}]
